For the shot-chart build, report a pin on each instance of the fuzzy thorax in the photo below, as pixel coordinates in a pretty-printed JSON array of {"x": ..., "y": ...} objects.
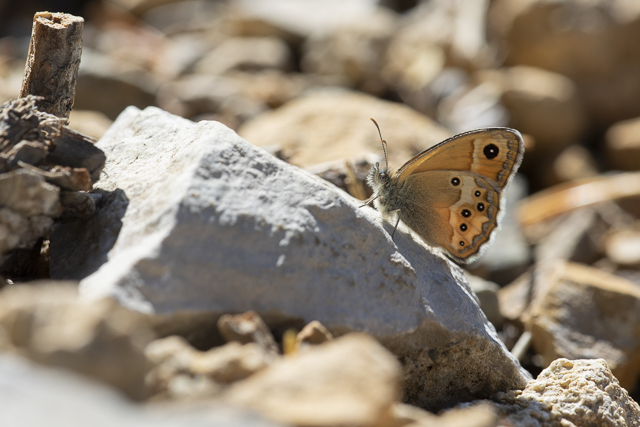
[{"x": 386, "y": 195}]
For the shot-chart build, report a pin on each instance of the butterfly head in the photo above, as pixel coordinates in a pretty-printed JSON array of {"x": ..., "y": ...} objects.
[{"x": 379, "y": 178}]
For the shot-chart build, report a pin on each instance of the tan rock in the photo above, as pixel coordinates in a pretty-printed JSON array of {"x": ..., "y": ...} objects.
[
  {"x": 542, "y": 104},
  {"x": 623, "y": 247},
  {"x": 623, "y": 145},
  {"x": 231, "y": 362},
  {"x": 49, "y": 324},
  {"x": 332, "y": 125},
  {"x": 313, "y": 333},
  {"x": 476, "y": 415},
  {"x": 246, "y": 53},
  {"x": 585, "y": 41},
  {"x": 27, "y": 193},
  {"x": 574, "y": 162},
  {"x": 246, "y": 328},
  {"x": 352, "y": 381},
  {"x": 171, "y": 376},
  {"x": 306, "y": 18},
  {"x": 571, "y": 393},
  {"x": 181, "y": 371},
  {"x": 587, "y": 313}
]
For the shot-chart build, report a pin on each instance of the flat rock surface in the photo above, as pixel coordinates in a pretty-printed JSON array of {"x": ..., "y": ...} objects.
[{"x": 216, "y": 225}]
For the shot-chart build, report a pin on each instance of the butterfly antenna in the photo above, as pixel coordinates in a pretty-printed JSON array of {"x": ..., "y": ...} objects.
[{"x": 384, "y": 145}]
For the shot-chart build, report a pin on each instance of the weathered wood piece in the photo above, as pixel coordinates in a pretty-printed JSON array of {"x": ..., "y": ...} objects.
[{"x": 53, "y": 61}]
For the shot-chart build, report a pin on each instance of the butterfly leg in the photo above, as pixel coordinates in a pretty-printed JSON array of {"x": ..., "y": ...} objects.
[
  {"x": 369, "y": 201},
  {"x": 396, "y": 226}
]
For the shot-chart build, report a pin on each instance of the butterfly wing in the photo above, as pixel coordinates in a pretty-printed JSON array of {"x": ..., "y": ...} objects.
[
  {"x": 452, "y": 192},
  {"x": 460, "y": 219},
  {"x": 493, "y": 153}
]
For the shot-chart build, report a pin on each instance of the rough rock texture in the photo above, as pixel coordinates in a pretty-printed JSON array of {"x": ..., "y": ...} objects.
[
  {"x": 572, "y": 393},
  {"x": 352, "y": 380},
  {"x": 35, "y": 396},
  {"x": 51, "y": 325},
  {"x": 329, "y": 125},
  {"x": 216, "y": 225},
  {"x": 588, "y": 313}
]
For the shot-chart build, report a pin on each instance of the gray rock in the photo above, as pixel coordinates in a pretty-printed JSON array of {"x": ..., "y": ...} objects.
[
  {"x": 217, "y": 225},
  {"x": 35, "y": 396}
]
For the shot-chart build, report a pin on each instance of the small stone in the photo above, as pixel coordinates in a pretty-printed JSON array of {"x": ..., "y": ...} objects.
[
  {"x": 231, "y": 362},
  {"x": 18, "y": 231},
  {"x": 573, "y": 163},
  {"x": 352, "y": 381},
  {"x": 75, "y": 150},
  {"x": 307, "y": 18},
  {"x": 181, "y": 371},
  {"x": 623, "y": 247},
  {"x": 313, "y": 333},
  {"x": 568, "y": 393},
  {"x": 27, "y": 193},
  {"x": 67, "y": 178},
  {"x": 29, "y": 152},
  {"x": 78, "y": 205},
  {"x": 623, "y": 145},
  {"x": 173, "y": 350},
  {"x": 246, "y": 328}
]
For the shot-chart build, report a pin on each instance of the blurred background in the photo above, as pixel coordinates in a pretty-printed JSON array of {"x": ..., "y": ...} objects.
[{"x": 302, "y": 77}]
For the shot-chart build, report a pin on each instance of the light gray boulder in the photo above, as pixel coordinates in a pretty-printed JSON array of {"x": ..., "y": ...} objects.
[{"x": 212, "y": 224}]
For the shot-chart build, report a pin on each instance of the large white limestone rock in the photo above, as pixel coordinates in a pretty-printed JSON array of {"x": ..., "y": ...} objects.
[{"x": 204, "y": 222}]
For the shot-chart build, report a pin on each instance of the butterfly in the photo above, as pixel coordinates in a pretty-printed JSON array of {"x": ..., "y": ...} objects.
[{"x": 452, "y": 194}]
